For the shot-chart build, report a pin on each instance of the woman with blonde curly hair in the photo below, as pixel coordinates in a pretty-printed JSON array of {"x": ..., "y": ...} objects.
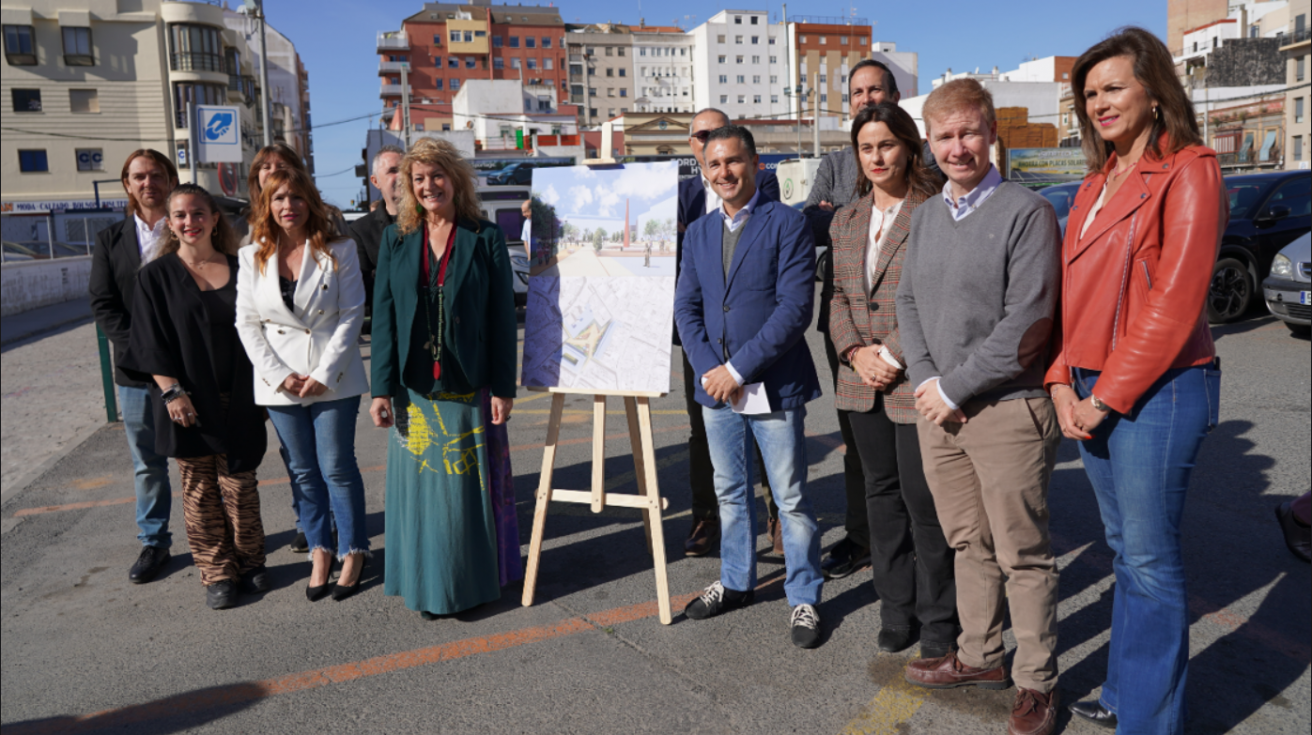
[
  {"x": 300, "y": 304},
  {"x": 444, "y": 381}
]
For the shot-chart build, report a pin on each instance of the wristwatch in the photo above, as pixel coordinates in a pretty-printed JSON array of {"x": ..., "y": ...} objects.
[{"x": 1099, "y": 404}]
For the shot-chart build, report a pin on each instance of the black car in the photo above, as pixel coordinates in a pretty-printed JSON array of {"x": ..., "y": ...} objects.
[
  {"x": 1267, "y": 212},
  {"x": 1061, "y": 197},
  {"x": 520, "y": 174}
]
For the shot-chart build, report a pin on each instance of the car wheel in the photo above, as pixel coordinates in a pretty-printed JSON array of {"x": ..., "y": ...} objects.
[
  {"x": 821, "y": 264},
  {"x": 1231, "y": 292}
]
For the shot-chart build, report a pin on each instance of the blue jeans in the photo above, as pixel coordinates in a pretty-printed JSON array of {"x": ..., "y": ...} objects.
[
  {"x": 320, "y": 442},
  {"x": 783, "y": 450},
  {"x": 1139, "y": 465},
  {"x": 150, "y": 470}
]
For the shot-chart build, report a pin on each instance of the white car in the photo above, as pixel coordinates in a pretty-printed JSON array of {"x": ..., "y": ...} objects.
[{"x": 1288, "y": 290}]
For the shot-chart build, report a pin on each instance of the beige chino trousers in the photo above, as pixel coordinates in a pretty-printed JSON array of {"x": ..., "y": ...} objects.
[{"x": 989, "y": 478}]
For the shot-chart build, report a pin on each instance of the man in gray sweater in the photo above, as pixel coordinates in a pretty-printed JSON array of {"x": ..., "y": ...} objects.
[{"x": 975, "y": 309}]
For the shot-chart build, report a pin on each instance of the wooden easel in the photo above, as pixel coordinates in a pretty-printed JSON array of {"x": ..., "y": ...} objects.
[{"x": 648, "y": 498}]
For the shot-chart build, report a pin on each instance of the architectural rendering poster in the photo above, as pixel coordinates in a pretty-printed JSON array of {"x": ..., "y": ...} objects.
[{"x": 601, "y": 287}]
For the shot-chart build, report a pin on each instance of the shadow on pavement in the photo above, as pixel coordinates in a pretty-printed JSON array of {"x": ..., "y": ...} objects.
[{"x": 178, "y": 713}]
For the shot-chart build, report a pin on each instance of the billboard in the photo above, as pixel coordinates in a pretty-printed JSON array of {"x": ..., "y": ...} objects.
[{"x": 1039, "y": 167}]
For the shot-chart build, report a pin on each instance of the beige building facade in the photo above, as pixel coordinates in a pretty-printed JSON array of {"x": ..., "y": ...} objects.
[{"x": 1295, "y": 47}]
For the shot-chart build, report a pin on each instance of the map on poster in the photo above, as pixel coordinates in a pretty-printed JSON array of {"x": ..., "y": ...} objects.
[{"x": 600, "y": 311}]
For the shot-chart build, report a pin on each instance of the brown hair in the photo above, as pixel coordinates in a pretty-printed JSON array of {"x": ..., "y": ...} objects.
[
  {"x": 319, "y": 227},
  {"x": 223, "y": 238},
  {"x": 160, "y": 160},
  {"x": 445, "y": 156},
  {"x": 956, "y": 94},
  {"x": 903, "y": 127},
  {"x": 281, "y": 150},
  {"x": 1155, "y": 70}
]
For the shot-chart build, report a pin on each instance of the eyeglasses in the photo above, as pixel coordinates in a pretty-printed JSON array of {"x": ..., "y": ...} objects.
[{"x": 701, "y": 135}]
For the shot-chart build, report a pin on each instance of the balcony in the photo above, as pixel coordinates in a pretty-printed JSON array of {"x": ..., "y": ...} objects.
[
  {"x": 393, "y": 67},
  {"x": 1297, "y": 38},
  {"x": 389, "y": 90},
  {"x": 578, "y": 78},
  {"x": 392, "y": 41}
]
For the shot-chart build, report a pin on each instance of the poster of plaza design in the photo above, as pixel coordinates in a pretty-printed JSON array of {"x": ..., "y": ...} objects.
[{"x": 601, "y": 286}]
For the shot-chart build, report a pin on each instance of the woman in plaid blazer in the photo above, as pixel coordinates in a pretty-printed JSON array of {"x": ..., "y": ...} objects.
[{"x": 912, "y": 562}]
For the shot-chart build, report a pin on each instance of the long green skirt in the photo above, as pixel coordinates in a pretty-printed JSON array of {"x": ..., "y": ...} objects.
[{"x": 441, "y": 540}]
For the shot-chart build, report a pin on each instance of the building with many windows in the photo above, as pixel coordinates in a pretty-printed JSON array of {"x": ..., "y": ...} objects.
[
  {"x": 447, "y": 44},
  {"x": 821, "y": 51},
  {"x": 1295, "y": 46},
  {"x": 740, "y": 65},
  {"x": 601, "y": 71},
  {"x": 86, "y": 87},
  {"x": 662, "y": 63},
  {"x": 289, "y": 82}
]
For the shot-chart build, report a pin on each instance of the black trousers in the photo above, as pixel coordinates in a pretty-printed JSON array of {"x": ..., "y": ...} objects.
[
  {"x": 854, "y": 481},
  {"x": 912, "y": 562},
  {"x": 701, "y": 474}
]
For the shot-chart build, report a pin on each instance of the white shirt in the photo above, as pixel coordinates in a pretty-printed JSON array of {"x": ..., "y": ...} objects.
[
  {"x": 880, "y": 220},
  {"x": 712, "y": 199},
  {"x": 963, "y": 206},
  {"x": 149, "y": 238}
]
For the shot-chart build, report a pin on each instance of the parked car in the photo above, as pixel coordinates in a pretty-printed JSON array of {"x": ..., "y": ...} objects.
[
  {"x": 1061, "y": 196},
  {"x": 1289, "y": 287},
  {"x": 502, "y": 206},
  {"x": 1267, "y": 212},
  {"x": 519, "y": 174}
]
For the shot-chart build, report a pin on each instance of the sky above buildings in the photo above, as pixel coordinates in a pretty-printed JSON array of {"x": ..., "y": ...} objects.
[{"x": 335, "y": 39}]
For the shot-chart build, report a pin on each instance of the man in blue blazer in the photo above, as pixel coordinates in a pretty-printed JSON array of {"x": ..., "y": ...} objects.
[
  {"x": 742, "y": 307},
  {"x": 694, "y": 203}
]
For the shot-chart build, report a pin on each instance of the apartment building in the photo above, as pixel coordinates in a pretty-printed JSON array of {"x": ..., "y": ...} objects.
[
  {"x": 822, "y": 50},
  {"x": 601, "y": 71},
  {"x": 740, "y": 65},
  {"x": 662, "y": 62},
  {"x": 85, "y": 87},
  {"x": 289, "y": 82},
  {"x": 1295, "y": 46},
  {"x": 447, "y": 44}
]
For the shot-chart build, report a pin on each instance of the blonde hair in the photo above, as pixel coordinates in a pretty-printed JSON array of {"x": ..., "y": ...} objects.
[
  {"x": 223, "y": 238},
  {"x": 955, "y": 95},
  {"x": 445, "y": 156},
  {"x": 319, "y": 227}
]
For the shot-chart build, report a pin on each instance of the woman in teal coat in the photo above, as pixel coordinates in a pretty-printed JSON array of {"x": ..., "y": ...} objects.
[{"x": 443, "y": 363}]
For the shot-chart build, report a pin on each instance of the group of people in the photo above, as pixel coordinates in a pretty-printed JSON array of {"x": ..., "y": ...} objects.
[
  {"x": 213, "y": 335},
  {"x": 965, "y": 337}
]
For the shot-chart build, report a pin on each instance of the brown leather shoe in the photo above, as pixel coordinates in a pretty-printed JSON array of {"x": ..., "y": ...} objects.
[
  {"x": 703, "y": 537},
  {"x": 949, "y": 673},
  {"x": 776, "y": 531},
  {"x": 1033, "y": 713}
]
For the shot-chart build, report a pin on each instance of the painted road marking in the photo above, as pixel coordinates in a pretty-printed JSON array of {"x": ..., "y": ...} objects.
[{"x": 888, "y": 713}]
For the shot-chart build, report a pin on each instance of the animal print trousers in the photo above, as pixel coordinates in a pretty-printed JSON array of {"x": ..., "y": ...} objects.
[{"x": 222, "y": 514}]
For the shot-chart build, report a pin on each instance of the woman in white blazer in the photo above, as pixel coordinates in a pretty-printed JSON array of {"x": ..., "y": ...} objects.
[{"x": 300, "y": 306}]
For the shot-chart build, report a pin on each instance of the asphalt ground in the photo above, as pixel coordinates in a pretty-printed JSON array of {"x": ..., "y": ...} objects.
[{"x": 84, "y": 650}]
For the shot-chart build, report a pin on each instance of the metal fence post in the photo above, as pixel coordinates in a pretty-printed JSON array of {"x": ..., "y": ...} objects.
[{"x": 107, "y": 376}]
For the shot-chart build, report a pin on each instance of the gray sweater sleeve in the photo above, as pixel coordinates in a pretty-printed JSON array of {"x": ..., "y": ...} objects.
[
  {"x": 1021, "y": 337},
  {"x": 915, "y": 351}
]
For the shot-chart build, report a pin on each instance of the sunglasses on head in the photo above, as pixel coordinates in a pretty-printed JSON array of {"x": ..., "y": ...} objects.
[{"x": 701, "y": 135}]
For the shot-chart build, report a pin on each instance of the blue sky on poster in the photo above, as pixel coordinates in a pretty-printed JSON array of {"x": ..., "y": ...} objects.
[
  {"x": 595, "y": 198},
  {"x": 336, "y": 41}
]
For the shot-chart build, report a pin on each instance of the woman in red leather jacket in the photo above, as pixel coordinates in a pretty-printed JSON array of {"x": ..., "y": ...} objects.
[{"x": 1134, "y": 375}]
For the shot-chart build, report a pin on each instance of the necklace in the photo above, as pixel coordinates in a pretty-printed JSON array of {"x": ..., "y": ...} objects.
[
  {"x": 197, "y": 266},
  {"x": 1120, "y": 170},
  {"x": 434, "y": 282}
]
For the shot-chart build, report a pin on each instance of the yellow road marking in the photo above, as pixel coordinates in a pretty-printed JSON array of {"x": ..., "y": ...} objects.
[
  {"x": 896, "y": 703},
  {"x": 588, "y": 412}
]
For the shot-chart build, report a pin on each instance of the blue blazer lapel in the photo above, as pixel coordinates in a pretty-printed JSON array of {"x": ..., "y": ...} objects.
[{"x": 756, "y": 224}]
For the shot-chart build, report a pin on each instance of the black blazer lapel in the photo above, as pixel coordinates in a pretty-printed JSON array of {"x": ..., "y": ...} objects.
[
  {"x": 131, "y": 254},
  {"x": 461, "y": 258}
]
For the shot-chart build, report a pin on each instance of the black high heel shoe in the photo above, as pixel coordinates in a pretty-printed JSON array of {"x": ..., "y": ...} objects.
[
  {"x": 314, "y": 594},
  {"x": 342, "y": 592}
]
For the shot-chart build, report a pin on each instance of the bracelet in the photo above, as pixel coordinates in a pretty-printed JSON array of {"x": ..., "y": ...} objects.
[
  {"x": 1098, "y": 404},
  {"x": 176, "y": 390}
]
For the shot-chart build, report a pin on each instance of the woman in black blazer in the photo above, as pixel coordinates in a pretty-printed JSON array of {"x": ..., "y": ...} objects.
[
  {"x": 443, "y": 362},
  {"x": 184, "y": 340}
]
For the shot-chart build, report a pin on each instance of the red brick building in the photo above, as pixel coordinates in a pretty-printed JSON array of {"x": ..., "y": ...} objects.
[{"x": 446, "y": 44}]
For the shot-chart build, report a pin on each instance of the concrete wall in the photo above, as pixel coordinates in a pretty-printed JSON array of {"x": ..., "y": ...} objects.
[{"x": 37, "y": 283}]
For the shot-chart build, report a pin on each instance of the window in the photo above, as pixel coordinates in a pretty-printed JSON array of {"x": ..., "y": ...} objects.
[
  {"x": 592, "y": 92},
  {"x": 514, "y": 41},
  {"x": 824, "y": 79},
  {"x": 437, "y": 61},
  {"x": 803, "y": 77},
  {"x": 756, "y": 99},
  {"x": 801, "y": 39},
  {"x": 774, "y": 59},
  {"x": 30, "y": 162},
  {"x": 845, "y": 98},
  {"x": 437, "y": 39},
  {"x": 471, "y": 62},
  {"x": 741, "y": 79},
  {"x": 824, "y": 40},
  {"x": 756, "y": 79},
  {"x": 197, "y": 93},
  {"x": 771, "y": 42},
  {"x": 737, "y": 20},
  {"x": 592, "y": 112},
  {"x": 83, "y": 100},
  {"x": 624, "y": 92},
  {"x": 610, "y": 72},
  {"x": 719, "y": 38},
  {"x": 514, "y": 63},
  {"x": 496, "y": 42},
  {"x": 455, "y": 36},
  {"x": 774, "y": 99},
  {"x": 738, "y": 40},
  {"x": 20, "y": 47},
  {"x": 642, "y": 51},
  {"x": 1300, "y": 67},
  {"x": 610, "y": 112},
  {"x": 610, "y": 91},
  {"x": 738, "y": 59},
  {"x": 437, "y": 84},
  {"x": 469, "y": 36},
  {"x": 862, "y": 42},
  {"x": 724, "y": 99},
  {"x": 756, "y": 40},
  {"x": 742, "y": 99},
  {"x": 724, "y": 79},
  {"x": 195, "y": 48},
  {"x": 623, "y": 72},
  {"x": 756, "y": 59},
  {"x": 546, "y": 42},
  {"x": 532, "y": 62},
  {"x": 1296, "y": 195},
  {"x": 530, "y": 42},
  {"x": 1298, "y": 147},
  {"x": 753, "y": 20},
  {"x": 455, "y": 85},
  {"x": 77, "y": 47},
  {"x": 1298, "y": 110},
  {"x": 453, "y": 62},
  {"x": 824, "y": 98},
  {"x": 90, "y": 159},
  {"x": 480, "y": 34},
  {"x": 446, "y": 127},
  {"x": 723, "y": 58},
  {"x": 26, "y": 100},
  {"x": 620, "y": 52},
  {"x": 549, "y": 64},
  {"x": 842, "y": 41},
  {"x": 774, "y": 79}
]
